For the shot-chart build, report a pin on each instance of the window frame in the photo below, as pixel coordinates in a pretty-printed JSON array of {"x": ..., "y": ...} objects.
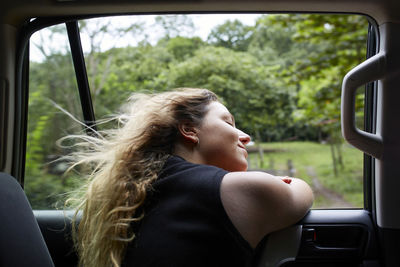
[
  {"x": 370, "y": 109},
  {"x": 81, "y": 76}
]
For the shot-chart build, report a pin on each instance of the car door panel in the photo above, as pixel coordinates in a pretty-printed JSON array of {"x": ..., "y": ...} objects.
[
  {"x": 55, "y": 226},
  {"x": 323, "y": 238}
]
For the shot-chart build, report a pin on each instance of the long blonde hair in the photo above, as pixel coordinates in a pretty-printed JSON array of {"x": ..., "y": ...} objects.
[{"x": 124, "y": 162}]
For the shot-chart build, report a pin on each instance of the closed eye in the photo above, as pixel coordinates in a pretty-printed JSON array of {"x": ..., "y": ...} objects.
[{"x": 230, "y": 123}]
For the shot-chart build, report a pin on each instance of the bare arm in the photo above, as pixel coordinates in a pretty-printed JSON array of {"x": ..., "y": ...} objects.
[{"x": 259, "y": 203}]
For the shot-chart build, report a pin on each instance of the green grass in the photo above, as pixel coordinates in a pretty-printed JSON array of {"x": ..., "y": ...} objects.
[{"x": 317, "y": 157}]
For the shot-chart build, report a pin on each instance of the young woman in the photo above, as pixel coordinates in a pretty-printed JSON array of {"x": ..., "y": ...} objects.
[{"x": 170, "y": 188}]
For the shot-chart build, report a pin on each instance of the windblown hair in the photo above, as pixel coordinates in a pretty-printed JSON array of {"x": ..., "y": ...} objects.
[{"x": 124, "y": 162}]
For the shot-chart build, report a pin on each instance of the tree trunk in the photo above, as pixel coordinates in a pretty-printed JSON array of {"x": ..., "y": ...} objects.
[
  {"x": 260, "y": 150},
  {"x": 334, "y": 161},
  {"x": 339, "y": 155}
]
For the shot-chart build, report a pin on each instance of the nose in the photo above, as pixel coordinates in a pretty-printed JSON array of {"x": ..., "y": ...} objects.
[{"x": 244, "y": 138}]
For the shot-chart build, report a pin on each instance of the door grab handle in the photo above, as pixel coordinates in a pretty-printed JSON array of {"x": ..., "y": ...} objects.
[{"x": 370, "y": 70}]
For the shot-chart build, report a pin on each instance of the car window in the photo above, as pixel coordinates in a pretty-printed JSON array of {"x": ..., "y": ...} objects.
[
  {"x": 280, "y": 75},
  {"x": 54, "y": 111}
]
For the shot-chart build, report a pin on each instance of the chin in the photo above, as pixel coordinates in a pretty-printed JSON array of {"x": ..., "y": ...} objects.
[{"x": 240, "y": 167}]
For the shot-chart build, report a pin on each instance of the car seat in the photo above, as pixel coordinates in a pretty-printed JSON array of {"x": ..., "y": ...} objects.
[{"x": 21, "y": 242}]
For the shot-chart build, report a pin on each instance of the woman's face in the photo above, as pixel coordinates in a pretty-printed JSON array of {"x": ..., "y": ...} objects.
[{"x": 221, "y": 144}]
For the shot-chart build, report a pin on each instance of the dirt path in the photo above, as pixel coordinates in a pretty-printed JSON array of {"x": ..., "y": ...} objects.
[{"x": 331, "y": 198}]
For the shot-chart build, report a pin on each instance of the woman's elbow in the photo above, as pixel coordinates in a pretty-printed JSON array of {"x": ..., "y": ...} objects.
[{"x": 303, "y": 198}]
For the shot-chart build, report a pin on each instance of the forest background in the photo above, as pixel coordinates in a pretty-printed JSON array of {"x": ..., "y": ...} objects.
[{"x": 281, "y": 78}]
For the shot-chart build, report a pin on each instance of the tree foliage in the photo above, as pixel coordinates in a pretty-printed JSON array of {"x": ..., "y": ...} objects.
[
  {"x": 281, "y": 78},
  {"x": 231, "y": 34}
]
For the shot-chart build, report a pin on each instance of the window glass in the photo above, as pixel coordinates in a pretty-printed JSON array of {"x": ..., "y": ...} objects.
[
  {"x": 280, "y": 76},
  {"x": 54, "y": 111}
]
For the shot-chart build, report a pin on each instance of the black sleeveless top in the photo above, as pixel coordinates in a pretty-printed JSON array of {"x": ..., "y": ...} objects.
[{"x": 185, "y": 224}]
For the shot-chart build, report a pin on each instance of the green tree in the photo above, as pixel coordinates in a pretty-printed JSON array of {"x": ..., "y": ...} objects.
[
  {"x": 231, "y": 34},
  {"x": 51, "y": 84},
  {"x": 175, "y": 25},
  {"x": 183, "y": 47},
  {"x": 338, "y": 44},
  {"x": 98, "y": 65},
  {"x": 258, "y": 101}
]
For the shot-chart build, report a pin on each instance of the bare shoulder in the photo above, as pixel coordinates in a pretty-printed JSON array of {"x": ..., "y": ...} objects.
[{"x": 259, "y": 203}]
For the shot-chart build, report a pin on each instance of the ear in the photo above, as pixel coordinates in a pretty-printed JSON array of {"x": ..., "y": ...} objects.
[{"x": 188, "y": 132}]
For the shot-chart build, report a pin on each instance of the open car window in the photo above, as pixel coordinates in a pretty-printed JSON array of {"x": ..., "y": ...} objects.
[
  {"x": 54, "y": 111},
  {"x": 280, "y": 76}
]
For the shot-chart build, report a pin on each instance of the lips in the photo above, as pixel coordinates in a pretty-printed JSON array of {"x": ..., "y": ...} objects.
[{"x": 242, "y": 147}]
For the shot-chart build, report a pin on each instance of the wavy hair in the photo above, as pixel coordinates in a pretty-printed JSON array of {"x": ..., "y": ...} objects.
[{"x": 123, "y": 163}]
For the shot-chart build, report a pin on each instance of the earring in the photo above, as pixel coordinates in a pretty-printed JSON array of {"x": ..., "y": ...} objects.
[{"x": 197, "y": 141}]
